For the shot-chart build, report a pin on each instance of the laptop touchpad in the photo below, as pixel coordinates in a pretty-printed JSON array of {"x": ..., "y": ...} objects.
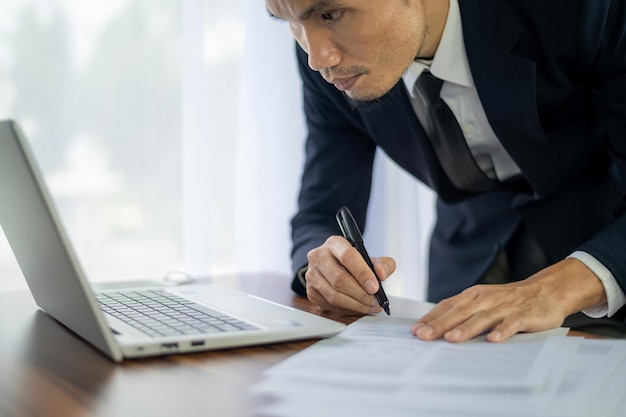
[{"x": 241, "y": 304}]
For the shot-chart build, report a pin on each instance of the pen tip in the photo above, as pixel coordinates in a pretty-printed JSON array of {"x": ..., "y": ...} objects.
[{"x": 387, "y": 310}]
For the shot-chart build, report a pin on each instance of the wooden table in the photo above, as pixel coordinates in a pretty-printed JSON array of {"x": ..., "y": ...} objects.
[{"x": 47, "y": 371}]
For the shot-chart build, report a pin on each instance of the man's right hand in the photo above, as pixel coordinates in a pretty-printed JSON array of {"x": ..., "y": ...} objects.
[{"x": 338, "y": 278}]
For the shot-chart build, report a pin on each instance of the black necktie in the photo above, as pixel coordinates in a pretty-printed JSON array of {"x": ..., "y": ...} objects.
[{"x": 447, "y": 138}]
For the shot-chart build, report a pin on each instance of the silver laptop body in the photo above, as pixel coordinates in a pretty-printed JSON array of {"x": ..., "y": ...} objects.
[{"x": 59, "y": 285}]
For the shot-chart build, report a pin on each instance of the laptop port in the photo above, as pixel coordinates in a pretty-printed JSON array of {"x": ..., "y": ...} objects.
[
  {"x": 197, "y": 343},
  {"x": 169, "y": 347}
]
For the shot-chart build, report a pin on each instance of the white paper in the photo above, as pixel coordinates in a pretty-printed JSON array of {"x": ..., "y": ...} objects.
[
  {"x": 382, "y": 350},
  {"x": 377, "y": 367}
]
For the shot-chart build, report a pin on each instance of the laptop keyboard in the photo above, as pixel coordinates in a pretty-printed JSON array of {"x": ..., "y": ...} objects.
[{"x": 159, "y": 313}]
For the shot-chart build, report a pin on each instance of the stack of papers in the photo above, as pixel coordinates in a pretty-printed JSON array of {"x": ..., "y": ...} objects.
[{"x": 377, "y": 368}]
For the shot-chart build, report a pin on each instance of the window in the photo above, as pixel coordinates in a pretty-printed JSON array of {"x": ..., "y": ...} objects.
[
  {"x": 171, "y": 137},
  {"x": 133, "y": 109}
]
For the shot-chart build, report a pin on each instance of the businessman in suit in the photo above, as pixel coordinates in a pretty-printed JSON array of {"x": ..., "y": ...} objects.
[{"x": 533, "y": 228}]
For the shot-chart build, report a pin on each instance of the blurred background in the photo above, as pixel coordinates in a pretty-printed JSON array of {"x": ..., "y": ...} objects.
[{"x": 171, "y": 136}]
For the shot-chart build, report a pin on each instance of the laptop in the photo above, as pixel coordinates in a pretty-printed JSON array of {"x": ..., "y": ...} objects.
[{"x": 132, "y": 322}]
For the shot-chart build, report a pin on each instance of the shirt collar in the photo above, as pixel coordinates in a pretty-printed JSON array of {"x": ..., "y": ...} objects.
[{"x": 450, "y": 61}]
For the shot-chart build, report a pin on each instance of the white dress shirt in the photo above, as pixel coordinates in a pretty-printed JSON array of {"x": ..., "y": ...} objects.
[{"x": 450, "y": 64}]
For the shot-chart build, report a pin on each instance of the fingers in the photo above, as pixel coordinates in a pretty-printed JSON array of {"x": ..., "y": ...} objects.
[
  {"x": 339, "y": 280},
  {"x": 341, "y": 304},
  {"x": 540, "y": 302},
  {"x": 446, "y": 317},
  {"x": 338, "y": 292},
  {"x": 498, "y": 310}
]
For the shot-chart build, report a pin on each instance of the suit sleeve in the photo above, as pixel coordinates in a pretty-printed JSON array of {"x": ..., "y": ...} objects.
[
  {"x": 337, "y": 170},
  {"x": 605, "y": 50}
]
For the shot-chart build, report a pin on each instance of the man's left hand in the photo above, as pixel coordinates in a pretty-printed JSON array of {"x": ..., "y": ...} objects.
[{"x": 538, "y": 303}]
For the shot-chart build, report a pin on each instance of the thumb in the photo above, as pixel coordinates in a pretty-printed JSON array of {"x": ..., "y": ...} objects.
[{"x": 384, "y": 267}]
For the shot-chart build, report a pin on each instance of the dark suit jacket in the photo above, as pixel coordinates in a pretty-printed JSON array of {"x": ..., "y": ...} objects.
[{"x": 551, "y": 75}]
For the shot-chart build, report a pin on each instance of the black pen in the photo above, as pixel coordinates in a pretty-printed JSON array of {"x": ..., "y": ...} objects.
[{"x": 351, "y": 232}]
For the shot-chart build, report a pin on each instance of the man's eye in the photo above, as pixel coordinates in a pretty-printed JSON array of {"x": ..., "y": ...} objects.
[{"x": 331, "y": 16}]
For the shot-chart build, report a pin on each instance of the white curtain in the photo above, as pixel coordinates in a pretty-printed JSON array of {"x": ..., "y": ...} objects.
[
  {"x": 238, "y": 219},
  {"x": 172, "y": 137},
  {"x": 271, "y": 152},
  {"x": 399, "y": 222}
]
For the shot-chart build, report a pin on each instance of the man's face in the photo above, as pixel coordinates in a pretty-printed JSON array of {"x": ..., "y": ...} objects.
[{"x": 361, "y": 46}]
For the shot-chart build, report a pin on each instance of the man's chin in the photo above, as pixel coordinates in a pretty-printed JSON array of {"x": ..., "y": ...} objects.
[
  {"x": 362, "y": 94},
  {"x": 368, "y": 102}
]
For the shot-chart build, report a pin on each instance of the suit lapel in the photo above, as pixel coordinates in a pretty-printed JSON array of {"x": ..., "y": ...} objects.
[
  {"x": 506, "y": 86},
  {"x": 393, "y": 125}
]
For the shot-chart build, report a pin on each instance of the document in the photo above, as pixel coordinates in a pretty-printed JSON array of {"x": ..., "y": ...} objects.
[
  {"x": 384, "y": 346},
  {"x": 376, "y": 367}
]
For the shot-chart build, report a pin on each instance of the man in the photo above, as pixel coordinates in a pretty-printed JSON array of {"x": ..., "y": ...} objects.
[{"x": 538, "y": 91}]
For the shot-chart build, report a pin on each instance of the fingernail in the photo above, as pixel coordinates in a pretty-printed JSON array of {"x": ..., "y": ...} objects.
[
  {"x": 454, "y": 334},
  {"x": 370, "y": 286},
  {"x": 375, "y": 309},
  {"x": 424, "y": 332},
  {"x": 417, "y": 326},
  {"x": 495, "y": 336}
]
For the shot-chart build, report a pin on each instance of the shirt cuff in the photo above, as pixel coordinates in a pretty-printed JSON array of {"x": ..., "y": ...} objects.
[
  {"x": 614, "y": 294},
  {"x": 301, "y": 273}
]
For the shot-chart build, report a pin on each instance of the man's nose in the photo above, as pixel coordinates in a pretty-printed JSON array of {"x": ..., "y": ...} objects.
[{"x": 323, "y": 52}]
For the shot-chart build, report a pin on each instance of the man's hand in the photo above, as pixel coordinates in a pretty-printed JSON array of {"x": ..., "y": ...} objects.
[
  {"x": 540, "y": 302},
  {"x": 339, "y": 280}
]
